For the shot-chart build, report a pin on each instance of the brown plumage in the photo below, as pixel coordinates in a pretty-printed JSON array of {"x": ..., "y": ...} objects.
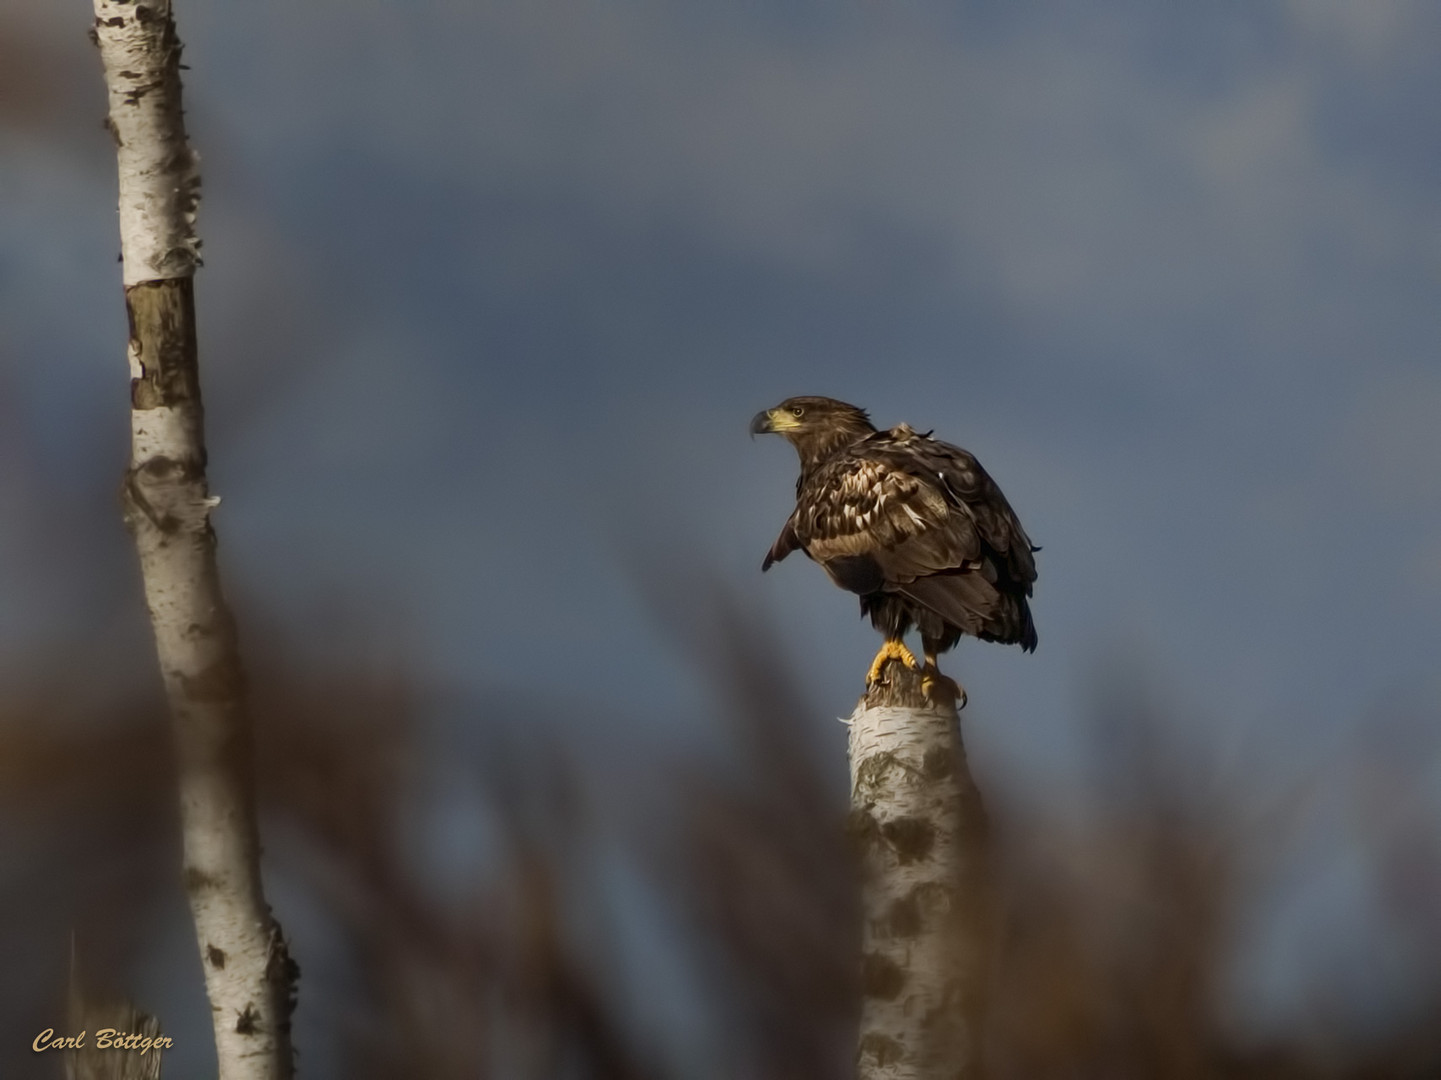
[{"x": 913, "y": 525}]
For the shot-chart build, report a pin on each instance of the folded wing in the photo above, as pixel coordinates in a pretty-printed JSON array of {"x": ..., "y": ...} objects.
[{"x": 907, "y": 514}]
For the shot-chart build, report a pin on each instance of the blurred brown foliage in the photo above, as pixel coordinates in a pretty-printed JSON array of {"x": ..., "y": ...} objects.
[{"x": 1112, "y": 928}]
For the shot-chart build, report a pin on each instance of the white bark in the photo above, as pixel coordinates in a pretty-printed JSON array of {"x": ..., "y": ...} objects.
[
  {"x": 159, "y": 184},
  {"x": 920, "y": 831},
  {"x": 248, "y": 973}
]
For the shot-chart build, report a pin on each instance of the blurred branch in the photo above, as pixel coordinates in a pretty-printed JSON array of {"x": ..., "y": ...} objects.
[
  {"x": 248, "y": 971},
  {"x": 1114, "y": 927},
  {"x": 93, "y": 1013}
]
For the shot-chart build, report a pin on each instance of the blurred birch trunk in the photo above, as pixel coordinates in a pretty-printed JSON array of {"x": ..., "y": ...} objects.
[
  {"x": 249, "y": 976},
  {"x": 920, "y": 831},
  {"x": 92, "y": 1013}
]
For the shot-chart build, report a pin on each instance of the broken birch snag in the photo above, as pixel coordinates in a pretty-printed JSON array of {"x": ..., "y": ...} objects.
[
  {"x": 920, "y": 835},
  {"x": 249, "y": 976}
]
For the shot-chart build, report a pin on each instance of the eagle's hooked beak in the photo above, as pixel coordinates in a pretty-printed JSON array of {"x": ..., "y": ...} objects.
[{"x": 777, "y": 421}]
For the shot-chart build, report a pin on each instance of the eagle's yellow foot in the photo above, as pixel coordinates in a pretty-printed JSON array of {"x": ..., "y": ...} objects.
[
  {"x": 891, "y": 650},
  {"x": 942, "y": 689}
]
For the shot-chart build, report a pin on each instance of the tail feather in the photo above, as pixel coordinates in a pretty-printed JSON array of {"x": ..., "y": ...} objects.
[{"x": 978, "y": 607}]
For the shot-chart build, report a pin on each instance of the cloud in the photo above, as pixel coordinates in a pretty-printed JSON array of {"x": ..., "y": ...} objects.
[
  {"x": 1391, "y": 441},
  {"x": 1369, "y": 34},
  {"x": 1075, "y": 180}
]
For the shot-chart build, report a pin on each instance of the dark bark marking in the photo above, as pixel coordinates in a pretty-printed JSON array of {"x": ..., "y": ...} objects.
[
  {"x": 881, "y": 977},
  {"x": 884, "y": 1049},
  {"x": 162, "y": 469},
  {"x": 870, "y": 771},
  {"x": 283, "y": 975},
  {"x": 162, "y": 333},
  {"x": 248, "y": 1022},
  {"x": 938, "y": 764},
  {"x": 215, "y": 956},
  {"x": 862, "y": 831},
  {"x": 911, "y": 838},
  {"x": 904, "y": 917}
]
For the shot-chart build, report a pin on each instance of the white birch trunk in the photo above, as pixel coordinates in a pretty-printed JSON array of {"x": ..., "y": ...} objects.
[
  {"x": 919, "y": 826},
  {"x": 248, "y": 972}
]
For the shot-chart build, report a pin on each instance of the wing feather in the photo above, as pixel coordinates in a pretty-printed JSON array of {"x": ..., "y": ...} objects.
[
  {"x": 859, "y": 506},
  {"x": 785, "y": 543},
  {"x": 919, "y": 518},
  {"x": 969, "y": 489}
]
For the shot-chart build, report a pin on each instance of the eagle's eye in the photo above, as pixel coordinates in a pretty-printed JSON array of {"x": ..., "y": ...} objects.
[{"x": 798, "y": 411}]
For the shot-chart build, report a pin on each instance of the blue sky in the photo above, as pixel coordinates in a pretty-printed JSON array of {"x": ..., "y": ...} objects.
[{"x": 491, "y": 292}]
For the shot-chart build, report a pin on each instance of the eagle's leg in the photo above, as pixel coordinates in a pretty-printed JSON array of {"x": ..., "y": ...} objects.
[
  {"x": 891, "y": 649},
  {"x": 938, "y": 687}
]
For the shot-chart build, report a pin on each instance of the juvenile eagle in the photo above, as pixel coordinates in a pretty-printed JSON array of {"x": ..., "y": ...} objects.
[{"x": 913, "y": 525}]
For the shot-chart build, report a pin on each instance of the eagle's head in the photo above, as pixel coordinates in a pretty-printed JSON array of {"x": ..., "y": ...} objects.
[{"x": 816, "y": 426}]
